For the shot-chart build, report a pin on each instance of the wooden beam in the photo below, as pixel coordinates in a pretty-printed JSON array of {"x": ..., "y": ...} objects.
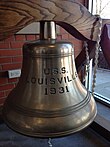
[
  {"x": 16, "y": 14},
  {"x": 105, "y": 21}
]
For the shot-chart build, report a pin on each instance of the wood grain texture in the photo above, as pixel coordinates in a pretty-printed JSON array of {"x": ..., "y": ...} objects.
[
  {"x": 16, "y": 14},
  {"x": 105, "y": 21}
]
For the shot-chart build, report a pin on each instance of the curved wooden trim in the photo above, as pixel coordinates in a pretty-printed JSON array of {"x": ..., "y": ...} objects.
[{"x": 16, "y": 14}]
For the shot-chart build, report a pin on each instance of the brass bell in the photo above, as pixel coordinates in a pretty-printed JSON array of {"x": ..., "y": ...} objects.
[{"x": 49, "y": 99}]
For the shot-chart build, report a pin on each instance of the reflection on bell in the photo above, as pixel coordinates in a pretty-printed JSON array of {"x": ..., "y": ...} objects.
[{"x": 49, "y": 99}]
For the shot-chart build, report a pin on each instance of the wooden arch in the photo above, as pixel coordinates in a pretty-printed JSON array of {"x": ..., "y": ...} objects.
[{"x": 70, "y": 14}]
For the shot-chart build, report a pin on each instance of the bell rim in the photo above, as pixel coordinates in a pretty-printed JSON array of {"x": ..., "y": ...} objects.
[{"x": 47, "y": 135}]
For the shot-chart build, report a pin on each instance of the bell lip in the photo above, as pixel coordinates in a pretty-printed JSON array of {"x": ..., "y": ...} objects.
[
  {"x": 47, "y": 135},
  {"x": 61, "y": 133}
]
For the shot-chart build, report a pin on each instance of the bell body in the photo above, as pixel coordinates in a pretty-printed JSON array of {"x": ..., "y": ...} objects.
[{"x": 49, "y": 99}]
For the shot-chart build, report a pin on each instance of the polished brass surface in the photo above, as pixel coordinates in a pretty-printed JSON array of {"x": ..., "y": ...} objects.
[
  {"x": 47, "y": 30},
  {"x": 49, "y": 99}
]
